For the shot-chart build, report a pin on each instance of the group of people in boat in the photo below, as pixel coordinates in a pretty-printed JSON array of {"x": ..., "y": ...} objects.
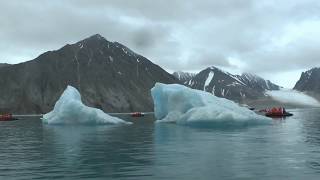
[
  {"x": 7, "y": 117},
  {"x": 276, "y": 112}
]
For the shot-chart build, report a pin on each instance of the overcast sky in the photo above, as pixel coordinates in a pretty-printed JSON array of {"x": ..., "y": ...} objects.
[{"x": 276, "y": 39}]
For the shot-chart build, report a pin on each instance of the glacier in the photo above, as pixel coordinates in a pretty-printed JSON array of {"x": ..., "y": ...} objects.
[
  {"x": 293, "y": 97},
  {"x": 69, "y": 109},
  {"x": 182, "y": 105}
]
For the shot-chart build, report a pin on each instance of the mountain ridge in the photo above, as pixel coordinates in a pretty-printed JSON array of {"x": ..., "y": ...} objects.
[
  {"x": 183, "y": 76},
  {"x": 4, "y": 65},
  {"x": 227, "y": 85},
  {"x": 107, "y": 75},
  {"x": 309, "y": 81}
]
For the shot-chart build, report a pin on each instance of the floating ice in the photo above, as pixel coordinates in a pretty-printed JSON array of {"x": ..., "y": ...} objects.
[
  {"x": 293, "y": 97},
  {"x": 69, "y": 109},
  {"x": 182, "y": 105}
]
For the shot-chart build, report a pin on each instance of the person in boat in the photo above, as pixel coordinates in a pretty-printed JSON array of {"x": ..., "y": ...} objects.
[{"x": 284, "y": 110}]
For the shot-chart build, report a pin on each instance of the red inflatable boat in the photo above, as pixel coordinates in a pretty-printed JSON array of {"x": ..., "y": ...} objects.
[
  {"x": 7, "y": 117},
  {"x": 277, "y": 112},
  {"x": 137, "y": 114}
]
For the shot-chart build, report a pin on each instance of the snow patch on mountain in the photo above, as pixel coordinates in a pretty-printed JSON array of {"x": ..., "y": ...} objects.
[
  {"x": 208, "y": 80},
  {"x": 184, "y": 77}
]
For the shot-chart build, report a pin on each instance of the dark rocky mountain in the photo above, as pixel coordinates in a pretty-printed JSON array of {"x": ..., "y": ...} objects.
[
  {"x": 234, "y": 87},
  {"x": 309, "y": 81},
  {"x": 4, "y": 65},
  {"x": 183, "y": 76},
  {"x": 108, "y": 75}
]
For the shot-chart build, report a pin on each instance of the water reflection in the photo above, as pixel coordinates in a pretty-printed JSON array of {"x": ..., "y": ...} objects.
[
  {"x": 244, "y": 153},
  {"x": 311, "y": 126},
  {"x": 310, "y": 122},
  {"x": 288, "y": 148},
  {"x": 69, "y": 141},
  {"x": 199, "y": 152},
  {"x": 99, "y": 151}
]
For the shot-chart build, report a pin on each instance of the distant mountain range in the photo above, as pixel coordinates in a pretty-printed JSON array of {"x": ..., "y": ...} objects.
[
  {"x": 113, "y": 78},
  {"x": 108, "y": 75},
  {"x": 224, "y": 84},
  {"x": 309, "y": 81}
]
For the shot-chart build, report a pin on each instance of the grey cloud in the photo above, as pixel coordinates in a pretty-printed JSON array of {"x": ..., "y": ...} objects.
[
  {"x": 176, "y": 34},
  {"x": 149, "y": 35},
  {"x": 202, "y": 58},
  {"x": 303, "y": 55},
  {"x": 172, "y": 10},
  {"x": 53, "y": 25}
]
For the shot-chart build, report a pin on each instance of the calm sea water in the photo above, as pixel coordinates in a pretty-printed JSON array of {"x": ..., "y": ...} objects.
[{"x": 288, "y": 149}]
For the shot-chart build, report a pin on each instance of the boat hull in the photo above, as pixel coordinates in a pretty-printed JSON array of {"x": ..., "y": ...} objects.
[{"x": 279, "y": 115}]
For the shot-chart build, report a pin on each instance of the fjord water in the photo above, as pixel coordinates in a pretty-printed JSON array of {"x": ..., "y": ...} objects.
[{"x": 287, "y": 149}]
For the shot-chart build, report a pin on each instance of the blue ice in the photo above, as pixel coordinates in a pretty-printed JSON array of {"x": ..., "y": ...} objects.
[
  {"x": 182, "y": 105},
  {"x": 69, "y": 109}
]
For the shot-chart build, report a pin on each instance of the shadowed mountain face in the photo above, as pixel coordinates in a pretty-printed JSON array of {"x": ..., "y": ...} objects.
[
  {"x": 108, "y": 75},
  {"x": 309, "y": 81},
  {"x": 234, "y": 87},
  {"x": 4, "y": 65}
]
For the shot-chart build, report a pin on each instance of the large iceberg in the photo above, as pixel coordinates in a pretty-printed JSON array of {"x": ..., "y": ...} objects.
[
  {"x": 182, "y": 105},
  {"x": 69, "y": 109}
]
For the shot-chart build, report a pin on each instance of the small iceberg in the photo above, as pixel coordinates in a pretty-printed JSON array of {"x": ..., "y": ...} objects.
[
  {"x": 183, "y": 105},
  {"x": 69, "y": 109}
]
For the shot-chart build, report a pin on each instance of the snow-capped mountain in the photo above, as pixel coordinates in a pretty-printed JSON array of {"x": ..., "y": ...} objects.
[
  {"x": 183, "y": 76},
  {"x": 234, "y": 87},
  {"x": 258, "y": 83},
  {"x": 309, "y": 81},
  {"x": 108, "y": 75}
]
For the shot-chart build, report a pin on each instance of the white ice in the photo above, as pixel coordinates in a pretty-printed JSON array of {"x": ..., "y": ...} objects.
[
  {"x": 182, "y": 105},
  {"x": 293, "y": 97},
  {"x": 69, "y": 109}
]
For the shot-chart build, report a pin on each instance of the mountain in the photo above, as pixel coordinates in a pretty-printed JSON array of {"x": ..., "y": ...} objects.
[
  {"x": 4, "y": 65},
  {"x": 183, "y": 76},
  {"x": 309, "y": 81},
  {"x": 234, "y": 87},
  {"x": 109, "y": 76},
  {"x": 255, "y": 82}
]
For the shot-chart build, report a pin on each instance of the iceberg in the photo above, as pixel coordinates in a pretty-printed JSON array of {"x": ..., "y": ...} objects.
[
  {"x": 69, "y": 109},
  {"x": 182, "y": 105}
]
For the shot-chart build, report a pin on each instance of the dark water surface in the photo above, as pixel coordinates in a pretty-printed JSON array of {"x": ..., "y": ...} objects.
[{"x": 287, "y": 149}]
